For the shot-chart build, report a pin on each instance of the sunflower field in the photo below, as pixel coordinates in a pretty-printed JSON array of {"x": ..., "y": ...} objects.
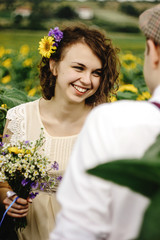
[{"x": 19, "y": 79}]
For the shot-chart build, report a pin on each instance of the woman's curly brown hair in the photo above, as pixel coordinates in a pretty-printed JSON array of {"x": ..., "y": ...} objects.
[{"x": 101, "y": 46}]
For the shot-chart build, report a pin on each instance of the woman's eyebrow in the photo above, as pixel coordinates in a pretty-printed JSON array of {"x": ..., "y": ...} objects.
[{"x": 82, "y": 65}]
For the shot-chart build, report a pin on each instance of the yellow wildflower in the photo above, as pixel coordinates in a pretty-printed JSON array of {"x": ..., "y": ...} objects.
[
  {"x": 32, "y": 92},
  {"x": 128, "y": 57},
  {"x": 15, "y": 150},
  {"x": 2, "y": 51},
  {"x": 147, "y": 95},
  {"x": 24, "y": 50},
  {"x": 6, "y": 79},
  {"x": 27, "y": 62},
  {"x": 128, "y": 87},
  {"x": 139, "y": 61},
  {"x": 144, "y": 96},
  {"x": 129, "y": 66},
  {"x": 7, "y": 63},
  {"x": 113, "y": 99},
  {"x": 46, "y": 47},
  {"x": 4, "y": 106}
]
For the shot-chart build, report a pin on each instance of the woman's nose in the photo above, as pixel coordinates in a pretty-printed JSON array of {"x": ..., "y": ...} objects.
[{"x": 86, "y": 79}]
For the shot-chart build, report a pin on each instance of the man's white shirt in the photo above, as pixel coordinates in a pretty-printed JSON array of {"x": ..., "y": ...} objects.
[{"x": 95, "y": 209}]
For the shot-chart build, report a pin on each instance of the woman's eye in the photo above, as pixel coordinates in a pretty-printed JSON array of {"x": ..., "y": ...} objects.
[
  {"x": 78, "y": 68},
  {"x": 97, "y": 74}
]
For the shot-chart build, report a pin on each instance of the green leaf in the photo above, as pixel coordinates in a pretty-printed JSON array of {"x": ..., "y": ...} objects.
[
  {"x": 126, "y": 95},
  {"x": 139, "y": 175},
  {"x": 13, "y": 97},
  {"x": 3, "y": 113},
  {"x": 150, "y": 228},
  {"x": 154, "y": 150}
]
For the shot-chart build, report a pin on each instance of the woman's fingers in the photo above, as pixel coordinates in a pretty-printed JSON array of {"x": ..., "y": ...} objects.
[
  {"x": 18, "y": 209},
  {"x": 12, "y": 212}
]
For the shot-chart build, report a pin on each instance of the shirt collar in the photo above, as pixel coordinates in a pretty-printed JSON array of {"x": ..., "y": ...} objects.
[{"x": 156, "y": 95}]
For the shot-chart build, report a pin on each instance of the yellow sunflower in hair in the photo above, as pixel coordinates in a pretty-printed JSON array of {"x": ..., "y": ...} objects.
[{"x": 46, "y": 46}]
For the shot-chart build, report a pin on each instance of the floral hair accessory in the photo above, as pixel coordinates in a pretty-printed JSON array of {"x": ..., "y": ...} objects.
[{"x": 49, "y": 44}]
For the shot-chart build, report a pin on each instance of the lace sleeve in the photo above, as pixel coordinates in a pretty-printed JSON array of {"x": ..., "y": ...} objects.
[{"x": 17, "y": 122}]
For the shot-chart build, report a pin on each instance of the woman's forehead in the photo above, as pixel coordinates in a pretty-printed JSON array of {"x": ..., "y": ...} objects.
[{"x": 79, "y": 51}]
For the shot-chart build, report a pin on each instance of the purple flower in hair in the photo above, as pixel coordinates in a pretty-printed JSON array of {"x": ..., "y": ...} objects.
[
  {"x": 56, "y": 33},
  {"x": 55, "y": 44}
]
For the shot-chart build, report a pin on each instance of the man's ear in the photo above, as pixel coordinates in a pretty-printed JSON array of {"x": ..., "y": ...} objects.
[
  {"x": 53, "y": 67},
  {"x": 154, "y": 53}
]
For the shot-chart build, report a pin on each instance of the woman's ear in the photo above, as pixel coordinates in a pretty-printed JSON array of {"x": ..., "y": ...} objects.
[
  {"x": 53, "y": 67},
  {"x": 154, "y": 53}
]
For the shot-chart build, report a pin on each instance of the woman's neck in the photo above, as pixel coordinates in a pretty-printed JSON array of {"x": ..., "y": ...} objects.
[
  {"x": 62, "y": 118},
  {"x": 66, "y": 111}
]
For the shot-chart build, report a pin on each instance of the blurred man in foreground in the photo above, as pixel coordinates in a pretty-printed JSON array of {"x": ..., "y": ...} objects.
[{"x": 94, "y": 209}]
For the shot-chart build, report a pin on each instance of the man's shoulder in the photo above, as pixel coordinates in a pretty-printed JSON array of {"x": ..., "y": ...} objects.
[
  {"x": 122, "y": 105},
  {"x": 124, "y": 111}
]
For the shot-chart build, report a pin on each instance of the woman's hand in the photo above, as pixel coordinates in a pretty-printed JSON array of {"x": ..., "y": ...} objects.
[{"x": 19, "y": 208}]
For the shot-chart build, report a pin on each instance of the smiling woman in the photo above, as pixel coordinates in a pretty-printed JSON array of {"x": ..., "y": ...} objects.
[{"x": 78, "y": 70}]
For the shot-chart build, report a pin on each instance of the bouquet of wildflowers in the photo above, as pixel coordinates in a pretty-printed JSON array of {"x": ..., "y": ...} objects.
[{"x": 24, "y": 167}]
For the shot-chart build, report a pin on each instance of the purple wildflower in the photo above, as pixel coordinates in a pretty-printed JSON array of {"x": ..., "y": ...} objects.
[
  {"x": 33, "y": 195},
  {"x": 26, "y": 142},
  {"x": 1, "y": 144},
  {"x": 42, "y": 186},
  {"x": 34, "y": 185},
  {"x": 24, "y": 182},
  {"x": 5, "y": 136},
  {"x": 59, "y": 178},
  {"x": 55, "y": 166},
  {"x": 56, "y": 33}
]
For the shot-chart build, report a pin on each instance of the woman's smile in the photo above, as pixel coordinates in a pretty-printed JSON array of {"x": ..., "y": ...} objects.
[{"x": 80, "y": 89}]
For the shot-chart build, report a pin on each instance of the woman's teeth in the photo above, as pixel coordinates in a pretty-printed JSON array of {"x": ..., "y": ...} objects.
[{"x": 82, "y": 90}]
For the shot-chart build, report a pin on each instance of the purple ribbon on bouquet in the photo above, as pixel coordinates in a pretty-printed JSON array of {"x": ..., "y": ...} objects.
[{"x": 7, "y": 210}]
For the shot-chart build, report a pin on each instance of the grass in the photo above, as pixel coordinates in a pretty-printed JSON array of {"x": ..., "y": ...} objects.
[
  {"x": 112, "y": 16},
  {"x": 129, "y": 42},
  {"x": 14, "y": 39}
]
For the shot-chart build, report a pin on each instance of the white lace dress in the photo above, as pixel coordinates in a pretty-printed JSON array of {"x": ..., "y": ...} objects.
[{"x": 25, "y": 124}]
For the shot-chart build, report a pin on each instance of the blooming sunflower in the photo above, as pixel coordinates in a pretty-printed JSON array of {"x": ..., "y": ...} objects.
[{"x": 46, "y": 47}]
